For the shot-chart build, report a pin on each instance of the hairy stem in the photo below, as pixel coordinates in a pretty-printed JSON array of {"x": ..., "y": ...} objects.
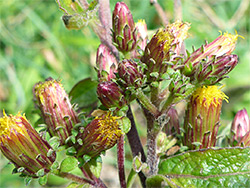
[
  {"x": 144, "y": 100},
  {"x": 135, "y": 144},
  {"x": 75, "y": 178},
  {"x": 152, "y": 158},
  {"x": 120, "y": 159}
]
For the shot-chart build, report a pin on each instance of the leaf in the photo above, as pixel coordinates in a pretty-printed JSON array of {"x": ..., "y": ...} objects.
[
  {"x": 69, "y": 6},
  {"x": 224, "y": 167},
  {"x": 68, "y": 164},
  {"x": 43, "y": 180},
  {"x": 84, "y": 94},
  {"x": 95, "y": 166}
]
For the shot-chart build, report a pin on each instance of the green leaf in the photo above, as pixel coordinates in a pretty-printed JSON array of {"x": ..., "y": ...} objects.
[
  {"x": 124, "y": 124},
  {"x": 69, "y": 6},
  {"x": 84, "y": 94},
  {"x": 95, "y": 166},
  {"x": 224, "y": 167},
  {"x": 43, "y": 180},
  {"x": 68, "y": 164}
]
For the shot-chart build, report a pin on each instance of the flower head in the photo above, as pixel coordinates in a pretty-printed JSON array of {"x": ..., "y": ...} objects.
[
  {"x": 106, "y": 63},
  {"x": 110, "y": 94},
  {"x": 240, "y": 126},
  {"x": 180, "y": 33},
  {"x": 23, "y": 146},
  {"x": 223, "y": 45},
  {"x": 101, "y": 134},
  {"x": 203, "y": 116},
  {"x": 124, "y": 31},
  {"x": 56, "y": 108},
  {"x": 130, "y": 72},
  {"x": 156, "y": 51},
  {"x": 215, "y": 70}
]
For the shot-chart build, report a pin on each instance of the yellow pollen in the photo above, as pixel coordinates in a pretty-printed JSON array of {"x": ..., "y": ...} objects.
[
  {"x": 163, "y": 35},
  {"x": 40, "y": 88},
  {"x": 109, "y": 128},
  {"x": 7, "y": 123},
  {"x": 210, "y": 95},
  {"x": 229, "y": 38}
]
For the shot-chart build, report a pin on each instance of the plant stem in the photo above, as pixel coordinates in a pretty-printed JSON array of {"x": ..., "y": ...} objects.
[
  {"x": 152, "y": 132},
  {"x": 75, "y": 178},
  {"x": 87, "y": 172},
  {"x": 135, "y": 144},
  {"x": 120, "y": 159},
  {"x": 147, "y": 103}
]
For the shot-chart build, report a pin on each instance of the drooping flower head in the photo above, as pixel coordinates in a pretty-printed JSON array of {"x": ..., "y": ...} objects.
[
  {"x": 101, "y": 134},
  {"x": 203, "y": 116},
  {"x": 106, "y": 63},
  {"x": 223, "y": 45},
  {"x": 56, "y": 108},
  {"x": 23, "y": 146}
]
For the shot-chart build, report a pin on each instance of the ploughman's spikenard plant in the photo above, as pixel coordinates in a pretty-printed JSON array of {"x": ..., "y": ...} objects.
[{"x": 153, "y": 72}]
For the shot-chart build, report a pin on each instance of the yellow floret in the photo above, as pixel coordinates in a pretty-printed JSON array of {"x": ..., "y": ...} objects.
[{"x": 210, "y": 95}]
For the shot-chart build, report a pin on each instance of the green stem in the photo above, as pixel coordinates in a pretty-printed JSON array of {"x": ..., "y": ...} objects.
[
  {"x": 147, "y": 103},
  {"x": 155, "y": 96},
  {"x": 75, "y": 178}
]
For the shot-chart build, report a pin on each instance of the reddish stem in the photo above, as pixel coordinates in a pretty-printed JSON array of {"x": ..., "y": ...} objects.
[{"x": 120, "y": 159}]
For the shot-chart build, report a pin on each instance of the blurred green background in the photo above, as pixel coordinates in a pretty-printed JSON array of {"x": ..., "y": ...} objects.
[{"x": 35, "y": 45}]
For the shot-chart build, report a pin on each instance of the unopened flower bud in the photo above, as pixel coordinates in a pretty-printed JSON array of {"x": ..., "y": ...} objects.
[
  {"x": 215, "y": 70},
  {"x": 223, "y": 45},
  {"x": 202, "y": 117},
  {"x": 124, "y": 31},
  {"x": 131, "y": 73},
  {"x": 106, "y": 63},
  {"x": 110, "y": 94},
  {"x": 240, "y": 126},
  {"x": 156, "y": 51},
  {"x": 56, "y": 108},
  {"x": 101, "y": 134},
  {"x": 23, "y": 146}
]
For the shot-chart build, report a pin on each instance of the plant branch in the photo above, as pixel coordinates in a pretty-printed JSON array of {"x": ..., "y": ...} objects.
[
  {"x": 160, "y": 11},
  {"x": 152, "y": 158},
  {"x": 120, "y": 160},
  {"x": 75, "y": 178},
  {"x": 144, "y": 100},
  {"x": 135, "y": 144}
]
